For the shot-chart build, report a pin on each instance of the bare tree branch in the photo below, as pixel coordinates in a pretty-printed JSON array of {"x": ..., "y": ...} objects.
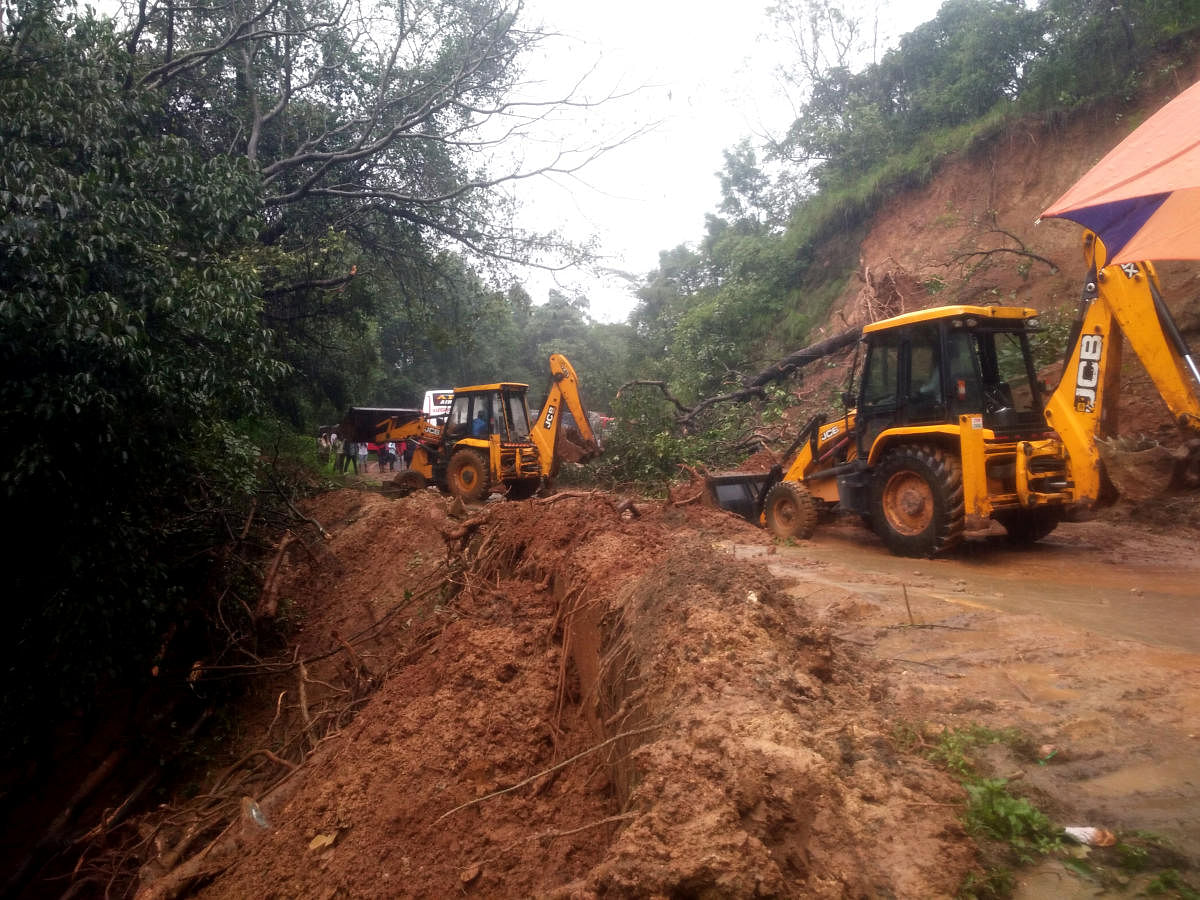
[
  {"x": 661, "y": 385},
  {"x": 1019, "y": 250}
]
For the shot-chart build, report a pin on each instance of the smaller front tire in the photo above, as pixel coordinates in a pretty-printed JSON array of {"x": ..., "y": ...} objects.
[{"x": 790, "y": 511}]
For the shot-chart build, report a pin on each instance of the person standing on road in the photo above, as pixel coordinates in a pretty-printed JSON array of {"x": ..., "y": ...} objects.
[
  {"x": 349, "y": 457},
  {"x": 362, "y": 457}
]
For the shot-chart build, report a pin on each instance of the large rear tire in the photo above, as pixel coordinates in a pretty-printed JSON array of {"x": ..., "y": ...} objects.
[
  {"x": 1027, "y": 526},
  {"x": 917, "y": 500},
  {"x": 790, "y": 511},
  {"x": 467, "y": 475}
]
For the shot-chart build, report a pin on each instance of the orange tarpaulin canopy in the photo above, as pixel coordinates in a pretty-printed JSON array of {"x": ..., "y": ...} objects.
[{"x": 1143, "y": 198}]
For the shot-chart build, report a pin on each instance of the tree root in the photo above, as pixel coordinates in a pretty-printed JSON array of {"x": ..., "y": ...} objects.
[
  {"x": 554, "y": 768},
  {"x": 268, "y": 599}
]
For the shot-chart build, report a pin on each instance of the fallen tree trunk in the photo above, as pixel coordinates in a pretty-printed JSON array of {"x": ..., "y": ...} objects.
[
  {"x": 753, "y": 387},
  {"x": 811, "y": 353}
]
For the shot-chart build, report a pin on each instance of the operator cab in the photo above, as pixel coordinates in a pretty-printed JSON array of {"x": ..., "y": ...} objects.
[
  {"x": 488, "y": 410},
  {"x": 932, "y": 366}
]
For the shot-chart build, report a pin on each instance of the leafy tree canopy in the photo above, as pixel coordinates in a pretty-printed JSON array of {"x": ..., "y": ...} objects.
[{"x": 130, "y": 337}]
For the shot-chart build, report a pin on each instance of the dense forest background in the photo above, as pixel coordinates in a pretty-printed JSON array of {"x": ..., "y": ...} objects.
[{"x": 223, "y": 223}]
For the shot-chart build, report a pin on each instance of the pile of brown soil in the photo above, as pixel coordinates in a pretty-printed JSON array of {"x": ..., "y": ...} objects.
[{"x": 572, "y": 696}]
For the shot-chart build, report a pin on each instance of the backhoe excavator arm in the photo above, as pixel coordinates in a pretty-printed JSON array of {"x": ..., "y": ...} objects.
[
  {"x": 564, "y": 390},
  {"x": 1119, "y": 302}
]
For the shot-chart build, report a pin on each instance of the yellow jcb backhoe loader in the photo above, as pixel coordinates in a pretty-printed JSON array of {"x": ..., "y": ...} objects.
[
  {"x": 489, "y": 441},
  {"x": 950, "y": 425}
]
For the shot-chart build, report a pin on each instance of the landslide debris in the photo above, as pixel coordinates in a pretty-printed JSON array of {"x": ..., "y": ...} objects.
[{"x": 568, "y": 697}]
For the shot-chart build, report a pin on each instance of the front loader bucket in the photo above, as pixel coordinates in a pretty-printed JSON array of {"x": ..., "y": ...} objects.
[{"x": 742, "y": 492}]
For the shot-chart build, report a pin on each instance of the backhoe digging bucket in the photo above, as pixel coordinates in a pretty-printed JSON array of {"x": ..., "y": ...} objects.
[
  {"x": 742, "y": 492},
  {"x": 1141, "y": 469}
]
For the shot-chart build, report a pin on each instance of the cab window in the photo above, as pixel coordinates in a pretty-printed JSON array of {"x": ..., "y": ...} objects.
[
  {"x": 517, "y": 418},
  {"x": 965, "y": 393},
  {"x": 458, "y": 421},
  {"x": 881, "y": 374},
  {"x": 483, "y": 421},
  {"x": 925, "y": 397},
  {"x": 1012, "y": 369}
]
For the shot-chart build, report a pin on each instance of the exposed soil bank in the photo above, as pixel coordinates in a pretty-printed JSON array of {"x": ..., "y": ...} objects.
[
  {"x": 608, "y": 705},
  {"x": 573, "y": 699}
]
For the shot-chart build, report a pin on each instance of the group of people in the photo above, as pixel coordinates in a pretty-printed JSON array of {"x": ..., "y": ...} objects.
[{"x": 347, "y": 455}]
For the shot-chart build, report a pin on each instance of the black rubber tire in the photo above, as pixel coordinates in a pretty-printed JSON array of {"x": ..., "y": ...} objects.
[
  {"x": 409, "y": 482},
  {"x": 790, "y": 511},
  {"x": 1028, "y": 526},
  {"x": 917, "y": 500},
  {"x": 523, "y": 488},
  {"x": 467, "y": 475}
]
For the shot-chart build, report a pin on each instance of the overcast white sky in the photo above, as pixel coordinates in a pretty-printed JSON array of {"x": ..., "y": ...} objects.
[{"x": 709, "y": 69}]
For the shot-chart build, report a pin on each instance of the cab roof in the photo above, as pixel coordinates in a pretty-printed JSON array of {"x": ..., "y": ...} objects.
[
  {"x": 498, "y": 386},
  {"x": 1012, "y": 313}
]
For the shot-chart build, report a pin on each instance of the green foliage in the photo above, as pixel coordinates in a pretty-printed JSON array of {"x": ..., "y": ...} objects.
[
  {"x": 644, "y": 446},
  {"x": 1101, "y": 52},
  {"x": 993, "y": 812},
  {"x": 1171, "y": 884},
  {"x": 994, "y": 884},
  {"x": 947, "y": 72},
  {"x": 956, "y": 747},
  {"x": 1049, "y": 344},
  {"x": 129, "y": 338},
  {"x": 647, "y": 447},
  {"x": 970, "y": 63}
]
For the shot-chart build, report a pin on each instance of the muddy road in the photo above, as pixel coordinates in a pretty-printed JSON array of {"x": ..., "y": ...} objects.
[
  {"x": 1088, "y": 642},
  {"x": 1116, "y": 580}
]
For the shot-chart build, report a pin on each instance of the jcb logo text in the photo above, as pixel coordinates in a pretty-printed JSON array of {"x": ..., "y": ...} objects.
[{"x": 1087, "y": 379}]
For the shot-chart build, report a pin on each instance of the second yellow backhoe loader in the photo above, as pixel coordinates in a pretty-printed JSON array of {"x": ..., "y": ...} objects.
[
  {"x": 951, "y": 426},
  {"x": 490, "y": 442}
]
